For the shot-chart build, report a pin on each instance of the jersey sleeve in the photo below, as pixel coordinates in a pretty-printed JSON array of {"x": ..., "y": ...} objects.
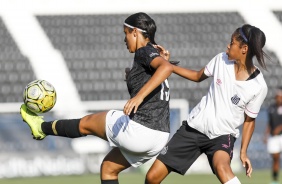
[
  {"x": 210, "y": 67},
  {"x": 149, "y": 54},
  {"x": 253, "y": 107}
]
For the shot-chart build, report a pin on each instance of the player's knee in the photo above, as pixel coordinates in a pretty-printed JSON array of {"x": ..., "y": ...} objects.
[
  {"x": 107, "y": 169},
  {"x": 83, "y": 125},
  {"x": 152, "y": 177},
  {"x": 222, "y": 169}
]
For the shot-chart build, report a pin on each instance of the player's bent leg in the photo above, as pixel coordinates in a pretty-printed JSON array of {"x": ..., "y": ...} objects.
[
  {"x": 94, "y": 124},
  {"x": 221, "y": 166},
  {"x": 34, "y": 122},
  {"x": 157, "y": 173},
  {"x": 112, "y": 165}
]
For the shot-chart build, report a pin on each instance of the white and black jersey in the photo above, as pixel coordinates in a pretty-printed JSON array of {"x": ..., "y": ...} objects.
[
  {"x": 153, "y": 112},
  {"x": 222, "y": 110}
]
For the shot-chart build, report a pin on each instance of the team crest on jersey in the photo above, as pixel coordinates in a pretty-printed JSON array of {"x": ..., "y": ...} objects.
[
  {"x": 164, "y": 150},
  {"x": 235, "y": 99}
]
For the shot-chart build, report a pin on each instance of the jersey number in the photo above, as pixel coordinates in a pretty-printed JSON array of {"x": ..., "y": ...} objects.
[{"x": 165, "y": 91}]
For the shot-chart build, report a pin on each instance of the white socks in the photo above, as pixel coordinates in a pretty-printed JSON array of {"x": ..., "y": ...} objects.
[{"x": 234, "y": 180}]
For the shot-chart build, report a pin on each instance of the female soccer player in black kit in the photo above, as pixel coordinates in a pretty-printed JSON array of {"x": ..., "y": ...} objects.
[
  {"x": 145, "y": 117},
  {"x": 273, "y": 134}
]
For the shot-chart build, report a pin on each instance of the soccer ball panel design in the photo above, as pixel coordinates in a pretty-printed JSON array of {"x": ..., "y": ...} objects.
[{"x": 39, "y": 96}]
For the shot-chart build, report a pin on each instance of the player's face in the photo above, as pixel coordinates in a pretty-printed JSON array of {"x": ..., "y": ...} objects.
[
  {"x": 130, "y": 39},
  {"x": 234, "y": 50}
]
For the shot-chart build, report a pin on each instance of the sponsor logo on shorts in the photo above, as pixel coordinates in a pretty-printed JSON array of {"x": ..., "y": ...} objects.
[
  {"x": 228, "y": 146},
  {"x": 164, "y": 150}
]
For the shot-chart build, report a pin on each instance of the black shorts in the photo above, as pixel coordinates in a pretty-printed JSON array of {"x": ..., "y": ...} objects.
[{"x": 187, "y": 144}]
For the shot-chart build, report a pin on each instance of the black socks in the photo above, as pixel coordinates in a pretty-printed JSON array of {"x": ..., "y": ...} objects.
[
  {"x": 64, "y": 128},
  {"x": 275, "y": 175}
]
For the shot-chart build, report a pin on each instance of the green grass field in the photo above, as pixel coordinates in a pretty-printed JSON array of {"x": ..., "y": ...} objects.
[{"x": 258, "y": 177}]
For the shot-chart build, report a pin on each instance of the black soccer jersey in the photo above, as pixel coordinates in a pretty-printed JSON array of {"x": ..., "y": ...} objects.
[
  {"x": 275, "y": 118},
  {"x": 153, "y": 112}
]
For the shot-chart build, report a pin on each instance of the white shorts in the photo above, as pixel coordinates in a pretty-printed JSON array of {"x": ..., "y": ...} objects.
[
  {"x": 274, "y": 144},
  {"x": 137, "y": 143}
]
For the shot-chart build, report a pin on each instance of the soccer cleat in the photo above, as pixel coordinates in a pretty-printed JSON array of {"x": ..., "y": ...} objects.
[{"x": 34, "y": 122}]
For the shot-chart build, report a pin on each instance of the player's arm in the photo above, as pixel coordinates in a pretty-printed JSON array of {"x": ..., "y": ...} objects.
[
  {"x": 193, "y": 75},
  {"x": 247, "y": 132},
  {"x": 163, "y": 71}
]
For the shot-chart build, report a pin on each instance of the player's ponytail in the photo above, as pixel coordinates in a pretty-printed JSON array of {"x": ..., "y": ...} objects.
[
  {"x": 255, "y": 39},
  {"x": 151, "y": 29}
]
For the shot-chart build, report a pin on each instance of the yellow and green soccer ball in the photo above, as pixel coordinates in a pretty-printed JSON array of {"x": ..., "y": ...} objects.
[{"x": 39, "y": 96}]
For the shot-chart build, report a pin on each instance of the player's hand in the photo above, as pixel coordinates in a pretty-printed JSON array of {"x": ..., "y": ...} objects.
[
  {"x": 163, "y": 52},
  {"x": 132, "y": 105},
  {"x": 247, "y": 164}
]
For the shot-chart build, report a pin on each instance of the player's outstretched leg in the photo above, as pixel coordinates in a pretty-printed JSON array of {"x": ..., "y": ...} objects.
[{"x": 34, "y": 122}]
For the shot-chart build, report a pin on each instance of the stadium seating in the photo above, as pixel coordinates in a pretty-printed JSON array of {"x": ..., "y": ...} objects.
[
  {"x": 15, "y": 69},
  {"x": 93, "y": 47}
]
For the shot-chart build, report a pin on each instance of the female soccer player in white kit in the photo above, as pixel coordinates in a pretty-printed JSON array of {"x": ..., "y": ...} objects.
[
  {"x": 141, "y": 130},
  {"x": 234, "y": 98}
]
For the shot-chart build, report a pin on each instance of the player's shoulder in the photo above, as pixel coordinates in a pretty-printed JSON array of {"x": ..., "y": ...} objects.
[
  {"x": 259, "y": 85},
  {"x": 221, "y": 58},
  {"x": 221, "y": 55},
  {"x": 261, "y": 80},
  {"x": 149, "y": 50}
]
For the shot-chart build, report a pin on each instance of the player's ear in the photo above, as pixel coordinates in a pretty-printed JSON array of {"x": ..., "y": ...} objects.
[
  {"x": 245, "y": 49},
  {"x": 135, "y": 32}
]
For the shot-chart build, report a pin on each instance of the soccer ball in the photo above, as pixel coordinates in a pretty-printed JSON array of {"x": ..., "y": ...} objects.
[{"x": 39, "y": 96}]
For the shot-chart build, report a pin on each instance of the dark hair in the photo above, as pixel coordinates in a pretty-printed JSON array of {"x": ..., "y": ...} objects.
[
  {"x": 255, "y": 39},
  {"x": 144, "y": 22}
]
